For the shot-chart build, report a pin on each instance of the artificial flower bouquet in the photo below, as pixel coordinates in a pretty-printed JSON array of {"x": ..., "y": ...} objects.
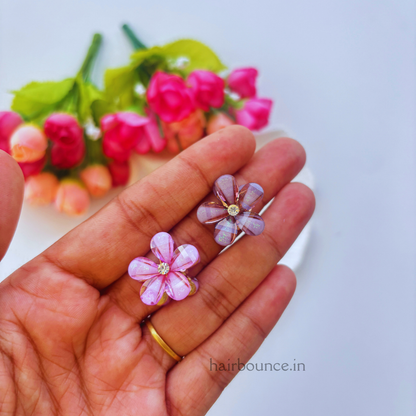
[{"x": 73, "y": 141}]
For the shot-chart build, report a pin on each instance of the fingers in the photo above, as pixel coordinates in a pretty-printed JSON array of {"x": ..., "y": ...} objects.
[
  {"x": 195, "y": 384},
  {"x": 272, "y": 167},
  {"x": 100, "y": 249},
  {"x": 228, "y": 280},
  {"x": 11, "y": 191}
]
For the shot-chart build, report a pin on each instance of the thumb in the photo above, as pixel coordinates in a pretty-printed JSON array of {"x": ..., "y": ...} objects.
[{"x": 11, "y": 199}]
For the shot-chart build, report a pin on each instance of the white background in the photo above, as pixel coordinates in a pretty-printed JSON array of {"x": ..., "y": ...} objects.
[{"x": 342, "y": 74}]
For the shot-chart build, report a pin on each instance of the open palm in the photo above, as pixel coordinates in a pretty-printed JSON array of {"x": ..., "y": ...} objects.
[{"x": 71, "y": 342}]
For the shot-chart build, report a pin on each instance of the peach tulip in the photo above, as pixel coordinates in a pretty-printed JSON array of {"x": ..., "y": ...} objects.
[
  {"x": 187, "y": 131},
  {"x": 28, "y": 143},
  {"x": 217, "y": 122},
  {"x": 97, "y": 179},
  {"x": 72, "y": 197},
  {"x": 41, "y": 189}
]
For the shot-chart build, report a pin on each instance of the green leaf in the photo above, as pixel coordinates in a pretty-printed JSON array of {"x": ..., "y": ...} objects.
[
  {"x": 236, "y": 104},
  {"x": 119, "y": 84},
  {"x": 200, "y": 55},
  {"x": 100, "y": 108},
  {"x": 141, "y": 55},
  {"x": 88, "y": 94},
  {"x": 38, "y": 97}
]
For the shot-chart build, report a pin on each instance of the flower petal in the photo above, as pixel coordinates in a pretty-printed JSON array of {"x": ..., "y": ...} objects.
[
  {"x": 226, "y": 189},
  {"x": 152, "y": 290},
  {"x": 184, "y": 257},
  {"x": 141, "y": 268},
  {"x": 108, "y": 122},
  {"x": 132, "y": 119},
  {"x": 162, "y": 247},
  {"x": 194, "y": 285},
  {"x": 152, "y": 133},
  {"x": 250, "y": 194},
  {"x": 225, "y": 231},
  {"x": 250, "y": 222},
  {"x": 143, "y": 146},
  {"x": 210, "y": 212},
  {"x": 177, "y": 286}
]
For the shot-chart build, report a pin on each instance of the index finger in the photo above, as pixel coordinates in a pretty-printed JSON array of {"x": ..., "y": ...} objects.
[
  {"x": 100, "y": 249},
  {"x": 11, "y": 190}
]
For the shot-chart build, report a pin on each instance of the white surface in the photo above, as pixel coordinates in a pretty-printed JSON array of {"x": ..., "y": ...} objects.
[
  {"x": 342, "y": 74},
  {"x": 296, "y": 254}
]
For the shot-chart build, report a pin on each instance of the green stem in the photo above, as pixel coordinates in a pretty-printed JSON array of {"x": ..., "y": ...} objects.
[
  {"x": 90, "y": 58},
  {"x": 135, "y": 41}
]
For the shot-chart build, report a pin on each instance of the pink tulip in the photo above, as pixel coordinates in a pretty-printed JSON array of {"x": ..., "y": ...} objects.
[
  {"x": 217, "y": 122},
  {"x": 66, "y": 158},
  {"x": 243, "y": 82},
  {"x": 32, "y": 168},
  {"x": 28, "y": 143},
  {"x": 255, "y": 113},
  {"x": 97, "y": 179},
  {"x": 64, "y": 130},
  {"x": 41, "y": 189},
  {"x": 72, "y": 197},
  {"x": 113, "y": 150},
  {"x": 152, "y": 139},
  {"x": 207, "y": 89},
  {"x": 122, "y": 133},
  {"x": 120, "y": 173},
  {"x": 9, "y": 121},
  {"x": 169, "y": 97}
]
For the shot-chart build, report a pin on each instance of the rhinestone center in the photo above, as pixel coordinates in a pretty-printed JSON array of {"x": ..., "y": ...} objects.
[
  {"x": 233, "y": 210},
  {"x": 163, "y": 268}
]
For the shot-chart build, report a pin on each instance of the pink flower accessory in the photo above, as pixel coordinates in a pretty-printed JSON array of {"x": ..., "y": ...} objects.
[
  {"x": 169, "y": 278},
  {"x": 234, "y": 211}
]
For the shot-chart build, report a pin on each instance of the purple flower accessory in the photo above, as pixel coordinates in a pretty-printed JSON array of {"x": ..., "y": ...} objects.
[
  {"x": 169, "y": 278},
  {"x": 234, "y": 212}
]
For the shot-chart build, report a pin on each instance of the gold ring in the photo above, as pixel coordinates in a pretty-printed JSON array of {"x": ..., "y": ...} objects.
[{"x": 162, "y": 343}]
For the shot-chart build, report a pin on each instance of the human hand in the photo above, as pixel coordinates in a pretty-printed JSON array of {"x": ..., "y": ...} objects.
[{"x": 70, "y": 336}]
